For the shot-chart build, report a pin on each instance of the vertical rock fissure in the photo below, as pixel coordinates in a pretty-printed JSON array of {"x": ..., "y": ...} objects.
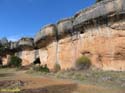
[
  {"x": 74, "y": 36},
  {"x": 57, "y": 52},
  {"x": 97, "y": 26},
  {"x": 57, "y": 47},
  {"x": 80, "y": 38},
  {"x": 36, "y": 52}
]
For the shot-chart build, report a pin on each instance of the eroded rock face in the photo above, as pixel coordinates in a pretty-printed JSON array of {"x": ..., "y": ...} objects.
[
  {"x": 13, "y": 45},
  {"x": 106, "y": 48},
  {"x": 104, "y": 45},
  {"x": 97, "y": 32},
  {"x": 68, "y": 53},
  {"x": 27, "y": 56},
  {"x": 6, "y": 59},
  {"x": 43, "y": 55},
  {"x": 26, "y": 43},
  {"x": 65, "y": 27},
  {"x": 103, "y": 8},
  {"x": 52, "y": 59},
  {"x": 45, "y": 36}
]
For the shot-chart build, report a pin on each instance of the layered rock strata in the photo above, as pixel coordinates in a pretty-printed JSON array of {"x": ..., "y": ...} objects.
[{"x": 97, "y": 32}]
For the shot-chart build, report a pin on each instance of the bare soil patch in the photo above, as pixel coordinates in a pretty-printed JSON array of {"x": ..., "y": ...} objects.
[{"x": 39, "y": 84}]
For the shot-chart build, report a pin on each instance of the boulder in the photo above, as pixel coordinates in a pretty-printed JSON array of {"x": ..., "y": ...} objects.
[
  {"x": 26, "y": 43},
  {"x": 65, "y": 27},
  {"x": 4, "y": 41},
  {"x": 46, "y": 35},
  {"x": 101, "y": 9},
  {"x": 13, "y": 45}
]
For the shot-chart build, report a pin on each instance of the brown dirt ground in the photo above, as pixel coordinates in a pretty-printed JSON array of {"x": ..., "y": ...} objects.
[{"x": 32, "y": 84}]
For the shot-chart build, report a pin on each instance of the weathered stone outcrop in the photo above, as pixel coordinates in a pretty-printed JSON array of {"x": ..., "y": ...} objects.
[
  {"x": 45, "y": 36},
  {"x": 102, "y": 9},
  {"x": 65, "y": 27},
  {"x": 26, "y": 43},
  {"x": 13, "y": 45},
  {"x": 105, "y": 47},
  {"x": 27, "y": 56},
  {"x": 103, "y": 39},
  {"x": 97, "y": 32},
  {"x": 46, "y": 41},
  {"x": 26, "y": 50},
  {"x": 5, "y": 59}
]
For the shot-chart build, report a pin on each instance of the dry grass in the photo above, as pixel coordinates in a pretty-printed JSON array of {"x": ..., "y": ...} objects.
[
  {"x": 104, "y": 78},
  {"x": 67, "y": 82}
]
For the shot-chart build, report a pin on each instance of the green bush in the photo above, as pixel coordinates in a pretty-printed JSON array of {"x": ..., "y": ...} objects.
[
  {"x": 83, "y": 63},
  {"x": 15, "y": 62},
  {"x": 41, "y": 68},
  {"x": 57, "y": 67}
]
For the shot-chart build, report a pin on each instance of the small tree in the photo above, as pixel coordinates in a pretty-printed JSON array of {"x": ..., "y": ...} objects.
[
  {"x": 57, "y": 67},
  {"x": 83, "y": 63},
  {"x": 15, "y": 62}
]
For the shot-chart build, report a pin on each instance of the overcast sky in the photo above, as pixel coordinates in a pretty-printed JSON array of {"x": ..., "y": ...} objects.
[{"x": 21, "y": 18}]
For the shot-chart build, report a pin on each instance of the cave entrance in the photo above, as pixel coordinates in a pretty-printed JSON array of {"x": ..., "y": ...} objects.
[{"x": 37, "y": 61}]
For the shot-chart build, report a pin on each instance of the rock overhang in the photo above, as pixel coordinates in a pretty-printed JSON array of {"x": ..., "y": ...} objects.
[
  {"x": 65, "y": 27},
  {"x": 13, "y": 45},
  {"x": 68, "y": 26},
  {"x": 46, "y": 35},
  {"x": 99, "y": 11},
  {"x": 26, "y": 43}
]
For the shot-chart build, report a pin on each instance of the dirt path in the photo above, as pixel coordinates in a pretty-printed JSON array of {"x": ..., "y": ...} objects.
[{"x": 32, "y": 84}]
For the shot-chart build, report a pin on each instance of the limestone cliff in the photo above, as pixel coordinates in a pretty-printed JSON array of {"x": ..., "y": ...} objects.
[{"x": 97, "y": 32}]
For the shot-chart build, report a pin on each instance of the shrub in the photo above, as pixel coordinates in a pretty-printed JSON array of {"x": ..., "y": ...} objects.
[
  {"x": 83, "y": 63},
  {"x": 15, "y": 62},
  {"x": 45, "y": 68},
  {"x": 41, "y": 68},
  {"x": 57, "y": 67}
]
